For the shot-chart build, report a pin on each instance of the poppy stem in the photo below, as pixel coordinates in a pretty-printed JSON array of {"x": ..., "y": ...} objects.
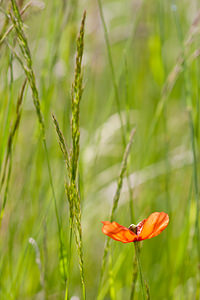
[
  {"x": 137, "y": 251},
  {"x": 135, "y": 275}
]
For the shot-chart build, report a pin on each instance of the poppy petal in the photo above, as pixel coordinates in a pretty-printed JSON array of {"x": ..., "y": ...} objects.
[
  {"x": 153, "y": 225},
  {"x": 118, "y": 232}
]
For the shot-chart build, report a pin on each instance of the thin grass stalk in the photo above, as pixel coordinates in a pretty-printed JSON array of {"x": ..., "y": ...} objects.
[
  {"x": 5, "y": 196},
  {"x": 69, "y": 265},
  {"x": 137, "y": 251},
  {"x": 71, "y": 186},
  {"x": 12, "y": 134},
  {"x": 34, "y": 244},
  {"x": 112, "y": 69},
  {"x": 23, "y": 44},
  {"x": 121, "y": 175},
  {"x": 116, "y": 88},
  {"x": 118, "y": 105},
  {"x": 8, "y": 111},
  {"x": 129, "y": 44},
  {"x": 6, "y": 33},
  {"x": 165, "y": 116},
  {"x": 46, "y": 261},
  {"x": 115, "y": 204},
  {"x": 198, "y": 104},
  {"x": 195, "y": 175},
  {"x": 162, "y": 37},
  {"x": 147, "y": 290},
  {"x": 111, "y": 278},
  {"x": 193, "y": 130},
  {"x": 167, "y": 89},
  {"x": 132, "y": 212},
  {"x": 134, "y": 276},
  {"x": 174, "y": 74},
  {"x": 61, "y": 141},
  {"x": 76, "y": 223},
  {"x": 6, "y": 21},
  {"x": 188, "y": 96},
  {"x": 8, "y": 159},
  {"x": 55, "y": 35},
  {"x": 77, "y": 91},
  {"x": 73, "y": 193},
  {"x": 126, "y": 93},
  {"x": 197, "y": 123}
]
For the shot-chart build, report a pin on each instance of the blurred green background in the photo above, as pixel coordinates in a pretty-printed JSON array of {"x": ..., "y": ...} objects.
[{"x": 154, "y": 47}]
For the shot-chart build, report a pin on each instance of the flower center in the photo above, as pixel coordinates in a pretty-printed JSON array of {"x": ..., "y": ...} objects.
[{"x": 133, "y": 228}]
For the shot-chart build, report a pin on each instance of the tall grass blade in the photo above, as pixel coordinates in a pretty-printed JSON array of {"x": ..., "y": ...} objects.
[
  {"x": 134, "y": 277},
  {"x": 112, "y": 69},
  {"x": 188, "y": 98},
  {"x": 115, "y": 203},
  {"x": 28, "y": 69},
  {"x": 6, "y": 172},
  {"x": 71, "y": 186},
  {"x": 137, "y": 251}
]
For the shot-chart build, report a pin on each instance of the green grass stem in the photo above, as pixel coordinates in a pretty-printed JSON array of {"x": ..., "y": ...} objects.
[
  {"x": 71, "y": 186},
  {"x": 188, "y": 97},
  {"x": 137, "y": 251},
  {"x": 6, "y": 172},
  {"x": 27, "y": 66},
  {"x": 115, "y": 204},
  {"x": 112, "y": 69},
  {"x": 134, "y": 276}
]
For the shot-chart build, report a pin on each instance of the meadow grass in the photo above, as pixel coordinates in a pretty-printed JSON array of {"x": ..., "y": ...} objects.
[{"x": 128, "y": 65}]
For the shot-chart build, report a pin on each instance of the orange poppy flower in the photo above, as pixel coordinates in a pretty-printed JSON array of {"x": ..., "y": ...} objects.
[{"x": 146, "y": 229}]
